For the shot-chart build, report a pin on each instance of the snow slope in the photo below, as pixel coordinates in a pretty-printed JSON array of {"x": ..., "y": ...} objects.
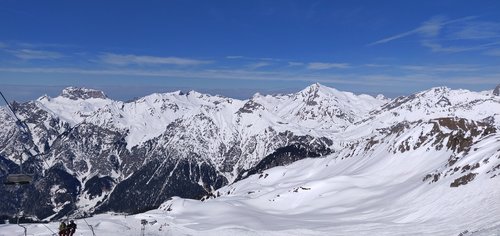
[{"x": 383, "y": 193}]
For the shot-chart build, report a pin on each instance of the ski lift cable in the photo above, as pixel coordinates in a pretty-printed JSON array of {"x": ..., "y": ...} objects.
[
  {"x": 24, "y": 128},
  {"x": 53, "y": 233},
  {"x": 10, "y": 108}
]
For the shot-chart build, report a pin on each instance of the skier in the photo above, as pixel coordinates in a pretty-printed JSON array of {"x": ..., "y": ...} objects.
[
  {"x": 71, "y": 228},
  {"x": 62, "y": 229}
]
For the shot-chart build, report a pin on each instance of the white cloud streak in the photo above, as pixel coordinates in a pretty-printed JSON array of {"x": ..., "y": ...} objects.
[
  {"x": 129, "y": 59},
  {"x": 443, "y": 68},
  {"x": 28, "y": 54},
  {"x": 293, "y": 63},
  {"x": 234, "y": 57},
  {"x": 254, "y": 58},
  {"x": 437, "y": 47},
  {"x": 477, "y": 30},
  {"x": 454, "y": 36},
  {"x": 398, "y": 36},
  {"x": 325, "y": 66},
  {"x": 258, "y": 65},
  {"x": 430, "y": 28}
]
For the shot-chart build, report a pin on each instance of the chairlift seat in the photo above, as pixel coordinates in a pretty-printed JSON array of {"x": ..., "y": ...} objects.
[{"x": 13, "y": 179}]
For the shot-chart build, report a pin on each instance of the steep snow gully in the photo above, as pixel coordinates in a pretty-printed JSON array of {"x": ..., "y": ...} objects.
[{"x": 316, "y": 162}]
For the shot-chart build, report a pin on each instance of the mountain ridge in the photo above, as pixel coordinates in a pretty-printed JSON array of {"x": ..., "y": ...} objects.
[{"x": 199, "y": 142}]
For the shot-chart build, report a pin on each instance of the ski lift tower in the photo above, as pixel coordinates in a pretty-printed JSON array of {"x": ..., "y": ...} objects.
[{"x": 144, "y": 222}]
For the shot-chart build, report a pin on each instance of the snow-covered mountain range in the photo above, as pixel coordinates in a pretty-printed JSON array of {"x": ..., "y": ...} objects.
[{"x": 306, "y": 156}]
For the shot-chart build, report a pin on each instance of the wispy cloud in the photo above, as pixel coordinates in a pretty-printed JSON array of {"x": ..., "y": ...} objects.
[
  {"x": 30, "y": 51},
  {"x": 293, "y": 63},
  {"x": 254, "y": 58},
  {"x": 28, "y": 54},
  {"x": 453, "y": 36},
  {"x": 430, "y": 80},
  {"x": 476, "y": 30},
  {"x": 225, "y": 74},
  {"x": 258, "y": 65},
  {"x": 42, "y": 45},
  {"x": 493, "y": 52},
  {"x": 372, "y": 65},
  {"x": 128, "y": 59},
  {"x": 430, "y": 28},
  {"x": 325, "y": 66},
  {"x": 397, "y": 36},
  {"x": 437, "y": 47},
  {"x": 234, "y": 57},
  {"x": 442, "y": 68}
]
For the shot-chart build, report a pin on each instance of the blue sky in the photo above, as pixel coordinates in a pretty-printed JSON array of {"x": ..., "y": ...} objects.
[{"x": 238, "y": 48}]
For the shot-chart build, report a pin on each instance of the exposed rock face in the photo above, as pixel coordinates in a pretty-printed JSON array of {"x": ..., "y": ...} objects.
[
  {"x": 496, "y": 91},
  {"x": 289, "y": 154},
  {"x": 160, "y": 181},
  {"x": 463, "y": 180},
  {"x": 82, "y": 93}
]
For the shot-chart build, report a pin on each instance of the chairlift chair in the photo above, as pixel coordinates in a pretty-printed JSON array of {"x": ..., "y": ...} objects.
[{"x": 18, "y": 179}]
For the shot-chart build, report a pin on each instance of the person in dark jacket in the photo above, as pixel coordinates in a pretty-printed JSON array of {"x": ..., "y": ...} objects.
[
  {"x": 62, "y": 229},
  {"x": 71, "y": 228}
]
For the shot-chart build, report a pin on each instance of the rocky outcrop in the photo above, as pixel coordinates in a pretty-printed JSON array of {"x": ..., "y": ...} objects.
[
  {"x": 289, "y": 154},
  {"x": 82, "y": 93},
  {"x": 496, "y": 91}
]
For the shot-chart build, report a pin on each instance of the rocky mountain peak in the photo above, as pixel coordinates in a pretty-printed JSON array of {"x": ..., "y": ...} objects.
[
  {"x": 74, "y": 93},
  {"x": 381, "y": 97},
  {"x": 311, "y": 93},
  {"x": 496, "y": 91},
  {"x": 315, "y": 86},
  {"x": 436, "y": 91}
]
